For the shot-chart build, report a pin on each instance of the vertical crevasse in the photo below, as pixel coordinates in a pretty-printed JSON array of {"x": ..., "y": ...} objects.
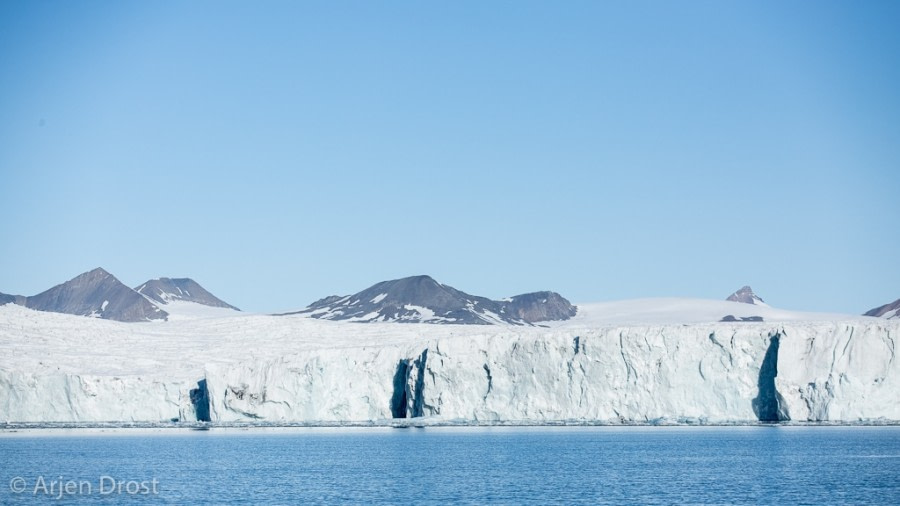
[
  {"x": 768, "y": 404},
  {"x": 408, "y": 397}
]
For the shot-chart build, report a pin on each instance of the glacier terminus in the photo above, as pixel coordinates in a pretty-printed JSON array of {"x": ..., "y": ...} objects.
[{"x": 640, "y": 361}]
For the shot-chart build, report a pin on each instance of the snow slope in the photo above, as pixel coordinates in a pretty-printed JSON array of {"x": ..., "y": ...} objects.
[
  {"x": 629, "y": 361},
  {"x": 184, "y": 310},
  {"x": 680, "y": 311}
]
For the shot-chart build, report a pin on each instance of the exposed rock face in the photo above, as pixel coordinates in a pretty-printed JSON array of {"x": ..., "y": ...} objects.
[
  {"x": 96, "y": 293},
  {"x": 421, "y": 299},
  {"x": 891, "y": 310},
  {"x": 732, "y": 318},
  {"x": 163, "y": 290},
  {"x": 12, "y": 299},
  {"x": 746, "y": 295},
  {"x": 539, "y": 307}
]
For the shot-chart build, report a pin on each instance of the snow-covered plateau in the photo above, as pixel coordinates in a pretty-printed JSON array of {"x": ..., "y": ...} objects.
[{"x": 641, "y": 361}]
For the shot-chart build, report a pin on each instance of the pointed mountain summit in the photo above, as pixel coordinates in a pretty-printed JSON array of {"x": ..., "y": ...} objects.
[
  {"x": 421, "y": 299},
  {"x": 99, "y": 294},
  {"x": 891, "y": 310},
  {"x": 746, "y": 295},
  {"x": 164, "y": 290}
]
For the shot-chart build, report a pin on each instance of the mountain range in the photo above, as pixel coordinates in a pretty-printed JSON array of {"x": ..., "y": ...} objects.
[
  {"x": 421, "y": 299},
  {"x": 415, "y": 299},
  {"x": 99, "y": 294}
]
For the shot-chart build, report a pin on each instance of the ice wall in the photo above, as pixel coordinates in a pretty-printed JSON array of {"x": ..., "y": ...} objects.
[
  {"x": 840, "y": 372},
  {"x": 26, "y": 397},
  {"x": 714, "y": 373}
]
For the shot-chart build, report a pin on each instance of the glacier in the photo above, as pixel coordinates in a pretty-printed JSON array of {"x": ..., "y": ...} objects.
[{"x": 261, "y": 369}]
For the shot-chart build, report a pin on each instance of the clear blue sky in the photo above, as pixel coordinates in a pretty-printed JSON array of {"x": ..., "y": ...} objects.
[{"x": 278, "y": 152}]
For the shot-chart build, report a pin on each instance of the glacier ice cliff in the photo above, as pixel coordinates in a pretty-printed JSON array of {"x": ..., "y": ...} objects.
[
  {"x": 700, "y": 373},
  {"x": 33, "y": 397}
]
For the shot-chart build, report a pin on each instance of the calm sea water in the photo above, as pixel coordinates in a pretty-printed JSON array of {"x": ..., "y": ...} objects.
[{"x": 785, "y": 465}]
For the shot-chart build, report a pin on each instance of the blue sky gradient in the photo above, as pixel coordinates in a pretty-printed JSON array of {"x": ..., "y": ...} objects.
[{"x": 284, "y": 151}]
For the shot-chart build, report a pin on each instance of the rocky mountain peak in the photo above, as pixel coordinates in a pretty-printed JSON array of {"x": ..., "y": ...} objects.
[
  {"x": 99, "y": 294},
  {"x": 164, "y": 290},
  {"x": 421, "y": 299},
  {"x": 540, "y": 306},
  {"x": 746, "y": 296}
]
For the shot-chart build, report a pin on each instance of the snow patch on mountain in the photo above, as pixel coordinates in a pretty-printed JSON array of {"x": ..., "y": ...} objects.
[{"x": 184, "y": 310}]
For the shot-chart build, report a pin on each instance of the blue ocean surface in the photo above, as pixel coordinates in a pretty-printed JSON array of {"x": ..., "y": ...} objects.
[{"x": 520, "y": 465}]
